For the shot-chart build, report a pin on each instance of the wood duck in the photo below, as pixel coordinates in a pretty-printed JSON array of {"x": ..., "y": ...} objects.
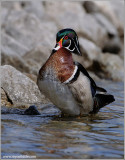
[{"x": 67, "y": 83}]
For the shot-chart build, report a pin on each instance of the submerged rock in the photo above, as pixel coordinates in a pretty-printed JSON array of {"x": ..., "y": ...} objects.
[
  {"x": 47, "y": 110},
  {"x": 32, "y": 110}
]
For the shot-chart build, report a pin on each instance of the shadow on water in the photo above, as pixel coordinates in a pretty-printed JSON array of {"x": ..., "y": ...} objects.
[{"x": 97, "y": 136}]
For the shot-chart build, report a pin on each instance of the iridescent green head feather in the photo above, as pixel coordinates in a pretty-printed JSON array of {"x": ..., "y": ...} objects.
[{"x": 69, "y": 32}]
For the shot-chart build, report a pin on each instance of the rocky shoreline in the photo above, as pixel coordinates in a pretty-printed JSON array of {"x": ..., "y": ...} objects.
[{"x": 28, "y": 36}]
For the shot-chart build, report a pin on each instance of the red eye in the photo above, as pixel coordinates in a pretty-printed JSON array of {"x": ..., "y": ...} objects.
[{"x": 66, "y": 37}]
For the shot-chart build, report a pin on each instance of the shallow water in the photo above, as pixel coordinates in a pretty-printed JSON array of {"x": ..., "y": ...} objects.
[{"x": 100, "y": 136}]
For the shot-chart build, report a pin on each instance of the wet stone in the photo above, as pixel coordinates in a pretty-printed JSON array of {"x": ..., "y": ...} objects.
[
  {"x": 19, "y": 88},
  {"x": 32, "y": 110}
]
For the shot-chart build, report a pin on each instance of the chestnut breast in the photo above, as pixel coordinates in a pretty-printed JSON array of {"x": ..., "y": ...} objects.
[{"x": 59, "y": 65}]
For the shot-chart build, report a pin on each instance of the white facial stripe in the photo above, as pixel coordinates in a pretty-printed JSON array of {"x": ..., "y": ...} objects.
[
  {"x": 76, "y": 46},
  {"x": 72, "y": 49},
  {"x": 56, "y": 48},
  {"x": 68, "y": 46},
  {"x": 77, "y": 40},
  {"x": 68, "y": 80}
]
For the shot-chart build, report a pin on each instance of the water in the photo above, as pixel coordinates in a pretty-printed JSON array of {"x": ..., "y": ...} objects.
[{"x": 100, "y": 136}]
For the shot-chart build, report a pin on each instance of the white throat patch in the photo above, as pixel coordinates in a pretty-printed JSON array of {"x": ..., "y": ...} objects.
[{"x": 56, "y": 48}]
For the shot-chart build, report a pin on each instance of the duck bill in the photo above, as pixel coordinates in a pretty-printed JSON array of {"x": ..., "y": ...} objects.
[
  {"x": 57, "y": 46},
  {"x": 60, "y": 43}
]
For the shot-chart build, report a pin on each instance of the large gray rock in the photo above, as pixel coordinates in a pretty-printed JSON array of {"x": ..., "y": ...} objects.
[
  {"x": 109, "y": 66},
  {"x": 37, "y": 57},
  {"x": 12, "y": 52},
  {"x": 11, "y": 46},
  {"x": 6, "y": 9},
  {"x": 4, "y": 99},
  {"x": 28, "y": 29},
  {"x": 110, "y": 28},
  {"x": 114, "y": 11},
  {"x": 113, "y": 43},
  {"x": 65, "y": 15},
  {"x": 33, "y": 7},
  {"x": 89, "y": 51},
  {"x": 15, "y": 61},
  {"x": 19, "y": 88}
]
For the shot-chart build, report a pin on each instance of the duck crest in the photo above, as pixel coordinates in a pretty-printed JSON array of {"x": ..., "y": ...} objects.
[{"x": 59, "y": 66}]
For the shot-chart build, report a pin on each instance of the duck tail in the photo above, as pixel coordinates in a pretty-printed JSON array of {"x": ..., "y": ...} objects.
[{"x": 101, "y": 100}]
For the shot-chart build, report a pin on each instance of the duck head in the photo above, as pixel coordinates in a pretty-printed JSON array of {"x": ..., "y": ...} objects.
[{"x": 68, "y": 39}]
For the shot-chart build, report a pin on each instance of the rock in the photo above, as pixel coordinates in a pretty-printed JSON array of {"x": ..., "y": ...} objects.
[
  {"x": 4, "y": 15},
  {"x": 32, "y": 110},
  {"x": 31, "y": 76},
  {"x": 96, "y": 34},
  {"x": 65, "y": 14},
  {"x": 89, "y": 51},
  {"x": 39, "y": 54},
  {"x": 6, "y": 8},
  {"x": 11, "y": 6},
  {"x": 111, "y": 18},
  {"x": 118, "y": 8},
  {"x": 11, "y": 110},
  {"x": 5, "y": 101},
  {"x": 113, "y": 46},
  {"x": 33, "y": 7},
  {"x": 12, "y": 52},
  {"x": 110, "y": 45},
  {"x": 114, "y": 12},
  {"x": 15, "y": 61},
  {"x": 110, "y": 28},
  {"x": 48, "y": 110},
  {"x": 109, "y": 66},
  {"x": 28, "y": 30},
  {"x": 19, "y": 88},
  {"x": 11, "y": 46},
  {"x": 37, "y": 57},
  {"x": 90, "y": 7}
]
